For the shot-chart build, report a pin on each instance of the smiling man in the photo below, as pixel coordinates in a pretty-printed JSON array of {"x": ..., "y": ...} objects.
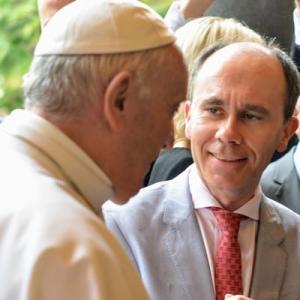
[
  {"x": 234, "y": 114},
  {"x": 210, "y": 231}
]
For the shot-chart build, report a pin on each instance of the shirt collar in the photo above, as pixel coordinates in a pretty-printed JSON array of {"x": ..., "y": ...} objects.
[
  {"x": 297, "y": 160},
  {"x": 79, "y": 169},
  {"x": 202, "y": 198}
]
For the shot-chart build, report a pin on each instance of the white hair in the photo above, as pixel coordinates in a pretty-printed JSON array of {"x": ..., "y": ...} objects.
[{"x": 65, "y": 85}]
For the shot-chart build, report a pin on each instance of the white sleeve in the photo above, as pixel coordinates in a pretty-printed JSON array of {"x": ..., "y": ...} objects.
[
  {"x": 174, "y": 17},
  {"x": 296, "y": 28},
  {"x": 83, "y": 273}
]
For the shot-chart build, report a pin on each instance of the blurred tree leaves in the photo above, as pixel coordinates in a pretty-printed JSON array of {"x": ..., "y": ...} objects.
[
  {"x": 19, "y": 32},
  {"x": 160, "y": 6}
]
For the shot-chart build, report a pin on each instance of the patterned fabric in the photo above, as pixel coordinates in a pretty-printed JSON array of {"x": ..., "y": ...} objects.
[{"x": 228, "y": 271}]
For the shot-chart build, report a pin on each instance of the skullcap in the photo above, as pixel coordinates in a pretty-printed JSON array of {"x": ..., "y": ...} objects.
[{"x": 102, "y": 27}]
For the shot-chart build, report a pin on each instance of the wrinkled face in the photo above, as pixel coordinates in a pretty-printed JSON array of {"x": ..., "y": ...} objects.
[
  {"x": 236, "y": 120},
  {"x": 151, "y": 121}
]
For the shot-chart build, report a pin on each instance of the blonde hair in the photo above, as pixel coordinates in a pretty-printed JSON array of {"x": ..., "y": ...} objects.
[{"x": 197, "y": 35}]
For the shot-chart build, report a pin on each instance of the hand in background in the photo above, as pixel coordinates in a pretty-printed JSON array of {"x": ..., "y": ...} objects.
[
  {"x": 47, "y": 8},
  {"x": 297, "y": 4},
  {"x": 195, "y": 8}
]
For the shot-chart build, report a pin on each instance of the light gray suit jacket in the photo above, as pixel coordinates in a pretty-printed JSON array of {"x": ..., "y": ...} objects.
[
  {"x": 280, "y": 182},
  {"x": 159, "y": 230}
]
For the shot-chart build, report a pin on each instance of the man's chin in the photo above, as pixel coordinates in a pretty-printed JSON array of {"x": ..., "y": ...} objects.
[{"x": 122, "y": 197}]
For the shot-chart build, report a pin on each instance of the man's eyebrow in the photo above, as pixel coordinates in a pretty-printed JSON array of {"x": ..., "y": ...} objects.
[
  {"x": 256, "y": 108},
  {"x": 212, "y": 101},
  {"x": 249, "y": 107}
]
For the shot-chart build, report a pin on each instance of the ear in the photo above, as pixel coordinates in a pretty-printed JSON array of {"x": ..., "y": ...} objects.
[
  {"x": 289, "y": 129},
  {"x": 115, "y": 99},
  {"x": 187, "y": 114}
]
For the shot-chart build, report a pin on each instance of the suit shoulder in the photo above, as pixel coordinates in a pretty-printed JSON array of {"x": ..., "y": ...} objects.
[
  {"x": 287, "y": 216},
  {"x": 147, "y": 199},
  {"x": 277, "y": 173},
  {"x": 149, "y": 203}
]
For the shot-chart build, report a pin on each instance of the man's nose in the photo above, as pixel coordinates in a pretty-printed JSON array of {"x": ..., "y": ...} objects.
[{"x": 229, "y": 131}]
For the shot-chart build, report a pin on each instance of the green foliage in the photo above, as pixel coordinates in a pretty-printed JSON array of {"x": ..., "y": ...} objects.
[
  {"x": 19, "y": 32},
  {"x": 160, "y": 6}
]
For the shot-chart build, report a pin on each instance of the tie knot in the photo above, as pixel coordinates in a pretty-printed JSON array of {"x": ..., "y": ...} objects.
[{"x": 228, "y": 222}]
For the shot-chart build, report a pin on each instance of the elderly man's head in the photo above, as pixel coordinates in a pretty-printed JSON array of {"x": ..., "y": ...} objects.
[
  {"x": 110, "y": 76},
  {"x": 242, "y": 103}
]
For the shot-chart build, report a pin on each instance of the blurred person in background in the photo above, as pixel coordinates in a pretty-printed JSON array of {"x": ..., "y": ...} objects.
[
  {"x": 271, "y": 19},
  {"x": 281, "y": 180}
]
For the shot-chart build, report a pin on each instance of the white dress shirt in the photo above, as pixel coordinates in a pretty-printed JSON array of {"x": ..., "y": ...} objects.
[{"x": 202, "y": 199}]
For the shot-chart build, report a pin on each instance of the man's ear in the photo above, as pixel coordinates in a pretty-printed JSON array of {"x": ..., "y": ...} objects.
[
  {"x": 115, "y": 99},
  {"x": 187, "y": 115},
  {"x": 289, "y": 129}
]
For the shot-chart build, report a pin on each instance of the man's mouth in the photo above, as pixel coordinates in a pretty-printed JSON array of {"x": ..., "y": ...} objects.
[{"x": 229, "y": 158}]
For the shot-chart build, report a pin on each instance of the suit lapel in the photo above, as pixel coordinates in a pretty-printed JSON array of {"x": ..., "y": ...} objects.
[
  {"x": 185, "y": 244},
  {"x": 286, "y": 183},
  {"x": 291, "y": 191},
  {"x": 270, "y": 259}
]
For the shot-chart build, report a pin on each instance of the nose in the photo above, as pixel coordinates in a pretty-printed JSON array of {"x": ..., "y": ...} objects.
[{"x": 229, "y": 132}]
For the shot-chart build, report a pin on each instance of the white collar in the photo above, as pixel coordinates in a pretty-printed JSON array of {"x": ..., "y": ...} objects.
[
  {"x": 202, "y": 197},
  {"x": 78, "y": 167}
]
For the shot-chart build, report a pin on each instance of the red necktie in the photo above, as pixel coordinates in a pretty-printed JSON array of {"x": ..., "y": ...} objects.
[{"x": 228, "y": 271}]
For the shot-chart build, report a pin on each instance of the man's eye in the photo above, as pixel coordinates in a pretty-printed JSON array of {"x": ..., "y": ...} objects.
[
  {"x": 250, "y": 116},
  {"x": 214, "y": 110}
]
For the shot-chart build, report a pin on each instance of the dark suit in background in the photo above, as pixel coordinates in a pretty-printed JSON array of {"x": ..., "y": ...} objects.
[
  {"x": 295, "y": 54},
  {"x": 170, "y": 163},
  {"x": 292, "y": 142},
  {"x": 272, "y": 18},
  {"x": 280, "y": 182}
]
